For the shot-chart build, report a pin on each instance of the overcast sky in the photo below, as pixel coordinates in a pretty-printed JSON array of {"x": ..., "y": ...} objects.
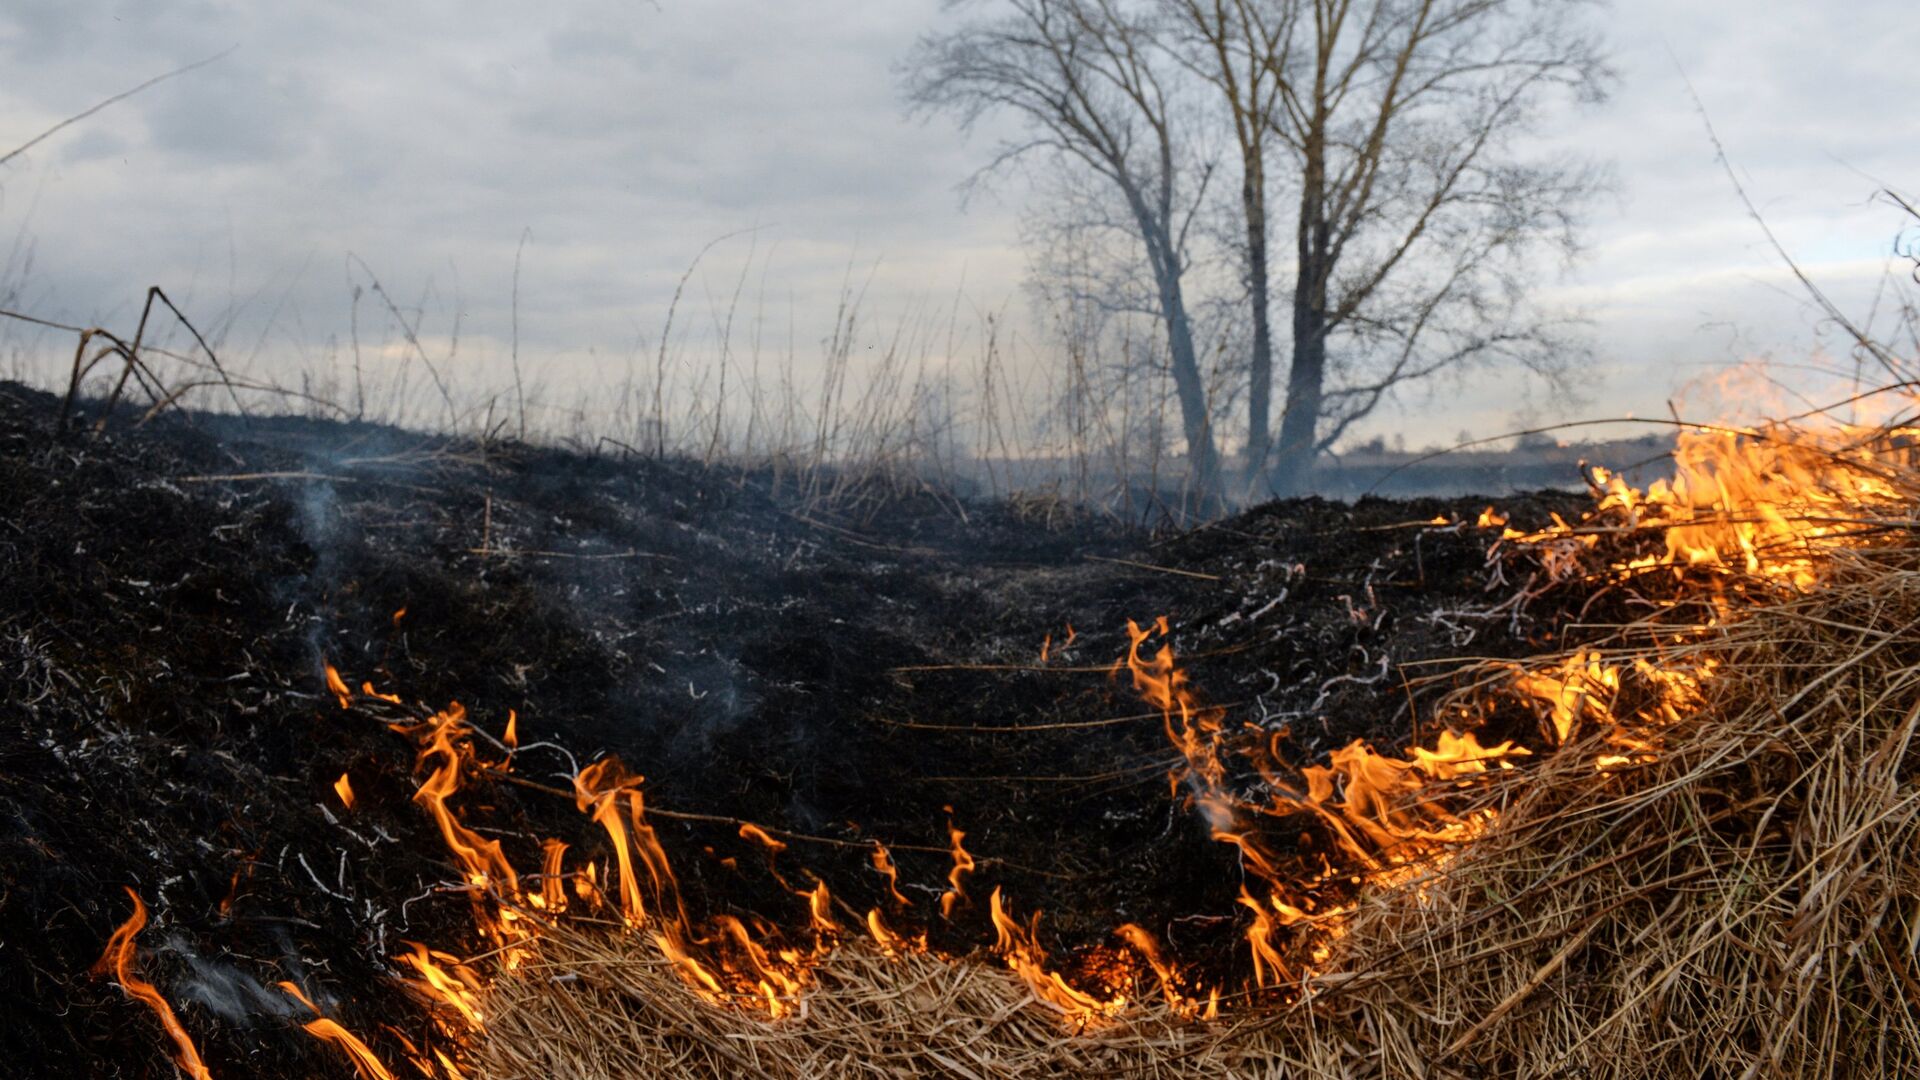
[{"x": 424, "y": 138}]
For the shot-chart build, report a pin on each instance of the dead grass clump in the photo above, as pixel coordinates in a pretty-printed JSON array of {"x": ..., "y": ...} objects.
[
  {"x": 597, "y": 1006},
  {"x": 1719, "y": 882},
  {"x": 1740, "y": 902}
]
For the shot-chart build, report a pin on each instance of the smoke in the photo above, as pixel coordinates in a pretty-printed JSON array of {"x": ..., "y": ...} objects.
[{"x": 225, "y": 990}]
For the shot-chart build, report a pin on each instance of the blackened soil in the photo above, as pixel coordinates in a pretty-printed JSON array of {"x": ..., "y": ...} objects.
[{"x": 167, "y": 596}]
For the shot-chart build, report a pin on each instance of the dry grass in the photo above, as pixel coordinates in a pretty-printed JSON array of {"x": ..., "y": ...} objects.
[
  {"x": 1740, "y": 900},
  {"x": 1742, "y": 904}
]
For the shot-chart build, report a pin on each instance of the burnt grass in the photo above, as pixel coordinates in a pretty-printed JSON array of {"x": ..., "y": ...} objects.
[{"x": 846, "y": 671}]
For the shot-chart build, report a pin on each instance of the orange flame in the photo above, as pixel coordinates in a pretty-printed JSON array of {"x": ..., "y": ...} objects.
[
  {"x": 725, "y": 967},
  {"x": 962, "y": 866},
  {"x": 1374, "y": 806},
  {"x": 750, "y": 831},
  {"x": 597, "y": 789},
  {"x": 1018, "y": 945},
  {"x": 890, "y": 943},
  {"x": 445, "y": 981},
  {"x": 1144, "y": 943},
  {"x": 338, "y": 688},
  {"x": 344, "y": 788},
  {"x": 883, "y": 863},
  {"x": 553, "y": 893},
  {"x": 118, "y": 958},
  {"x": 820, "y": 909},
  {"x": 446, "y": 738},
  {"x": 366, "y": 687},
  {"x": 364, "y": 1062}
]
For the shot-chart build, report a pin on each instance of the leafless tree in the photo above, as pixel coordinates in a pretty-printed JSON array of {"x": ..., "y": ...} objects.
[
  {"x": 1094, "y": 88},
  {"x": 1419, "y": 221},
  {"x": 1242, "y": 50},
  {"x": 1397, "y": 127}
]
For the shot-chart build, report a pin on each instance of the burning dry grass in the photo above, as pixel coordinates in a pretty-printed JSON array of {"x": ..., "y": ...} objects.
[
  {"x": 1712, "y": 876},
  {"x": 1741, "y": 902},
  {"x": 594, "y": 1006}
]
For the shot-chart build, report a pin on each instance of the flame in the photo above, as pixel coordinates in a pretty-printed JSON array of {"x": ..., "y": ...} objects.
[
  {"x": 597, "y": 790},
  {"x": 1141, "y": 941},
  {"x": 1767, "y": 502},
  {"x": 446, "y": 741},
  {"x": 118, "y": 958},
  {"x": 1382, "y": 820},
  {"x": 1047, "y": 651},
  {"x": 445, "y": 981},
  {"x": 750, "y": 831},
  {"x": 344, "y": 788},
  {"x": 364, "y": 1062},
  {"x": 890, "y": 943},
  {"x": 1582, "y": 688},
  {"x": 962, "y": 866},
  {"x": 1746, "y": 509},
  {"x": 1377, "y": 809},
  {"x": 338, "y": 688},
  {"x": 392, "y": 699},
  {"x": 552, "y": 896},
  {"x": 820, "y": 909},
  {"x": 883, "y": 863},
  {"x": 726, "y": 965},
  {"x": 1018, "y": 945}
]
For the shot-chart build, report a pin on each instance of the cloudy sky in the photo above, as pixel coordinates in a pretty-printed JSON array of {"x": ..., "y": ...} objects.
[{"x": 424, "y": 139}]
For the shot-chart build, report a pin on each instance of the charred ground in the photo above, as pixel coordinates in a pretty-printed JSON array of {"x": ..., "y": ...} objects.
[{"x": 842, "y": 671}]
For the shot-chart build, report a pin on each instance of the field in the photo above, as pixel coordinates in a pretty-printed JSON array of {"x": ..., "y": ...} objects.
[{"x": 933, "y": 785}]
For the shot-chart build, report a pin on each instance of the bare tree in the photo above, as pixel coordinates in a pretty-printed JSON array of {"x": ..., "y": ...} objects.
[
  {"x": 1418, "y": 223},
  {"x": 1090, "y": 83},
  {"x": 1241, "y": 48}
]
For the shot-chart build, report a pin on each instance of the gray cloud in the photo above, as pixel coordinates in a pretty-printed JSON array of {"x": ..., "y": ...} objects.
[{"x": 425, "y": 137}]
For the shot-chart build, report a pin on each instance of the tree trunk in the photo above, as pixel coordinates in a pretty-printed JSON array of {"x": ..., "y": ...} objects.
[
  {"x": 1300, "y": 422},
  {"x": 1306, "y": 381},
  {"x": 1260, "y": 369},
  {"x": 1204, "y": 461},
  {"x": 1191, "y": 391}
]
